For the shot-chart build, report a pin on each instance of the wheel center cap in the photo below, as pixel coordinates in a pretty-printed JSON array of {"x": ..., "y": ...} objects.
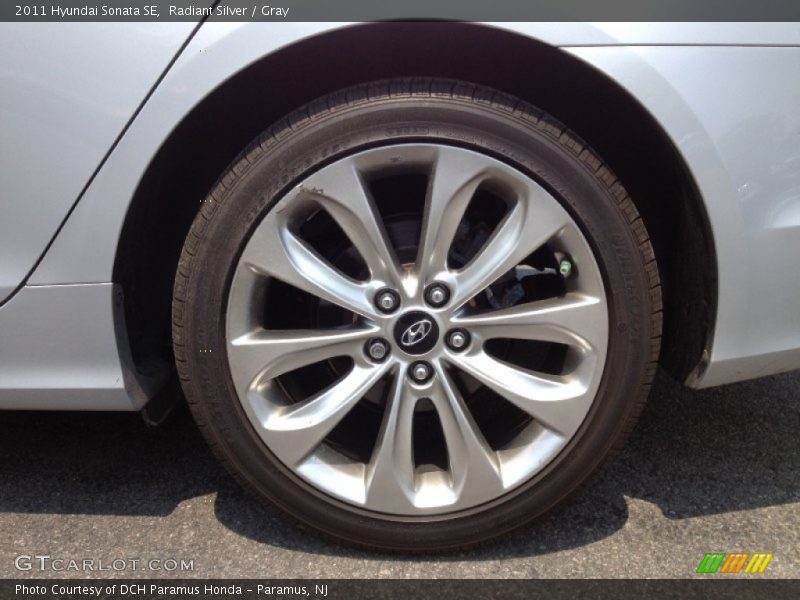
[{"x": 416, "y": 332}]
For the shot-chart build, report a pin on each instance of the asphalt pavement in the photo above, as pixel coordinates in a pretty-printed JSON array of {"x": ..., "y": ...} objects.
[{"x": 706, "y": 471}]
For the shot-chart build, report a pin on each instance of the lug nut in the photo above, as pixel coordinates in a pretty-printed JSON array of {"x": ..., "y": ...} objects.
[
  {"x": 457, "y": 339},
  {"x": 377, "y": 349},
  {"x": 437, "y": 294},
  {"x": 420, "y": 372},
  {"x": 387, "y": 300}
]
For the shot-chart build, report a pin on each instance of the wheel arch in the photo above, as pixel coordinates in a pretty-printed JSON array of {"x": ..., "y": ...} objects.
[{"x": 622, "y": 131}]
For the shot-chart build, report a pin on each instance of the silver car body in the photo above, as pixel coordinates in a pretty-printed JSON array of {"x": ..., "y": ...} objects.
[{"x": 85, "y": 107}]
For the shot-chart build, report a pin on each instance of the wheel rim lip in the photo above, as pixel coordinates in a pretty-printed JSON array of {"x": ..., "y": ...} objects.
[{"x": 440, "y": 356}]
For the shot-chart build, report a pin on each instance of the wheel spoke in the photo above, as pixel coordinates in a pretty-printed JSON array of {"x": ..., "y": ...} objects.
[
  {"x": 264, "y": 354},
  {"x": 474, "y": 466},
  {"x": 295, "y": 431},
  {"x": 527, "y": 226},
  {"x": 347, "y": 200},
  {"x": 575, "y": 319},
  {"x": 286, "y": 257},
  {"x": 454, "y": 179},
  {"x": 390, "y": 473},
  {"x": 558, "y": 402}
]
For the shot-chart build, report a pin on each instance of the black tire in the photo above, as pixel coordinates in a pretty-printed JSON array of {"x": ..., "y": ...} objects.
[{"x": 418, "y": 110}]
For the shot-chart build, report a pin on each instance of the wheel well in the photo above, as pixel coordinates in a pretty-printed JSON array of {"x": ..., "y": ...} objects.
[{"x": 602, "y": 113}]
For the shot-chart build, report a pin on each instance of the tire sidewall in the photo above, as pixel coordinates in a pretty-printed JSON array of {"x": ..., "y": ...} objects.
[{"x": 272, "y": 166}]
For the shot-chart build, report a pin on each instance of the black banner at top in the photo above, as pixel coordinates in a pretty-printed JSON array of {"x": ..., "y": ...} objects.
[{"x": 382, "y": 10}]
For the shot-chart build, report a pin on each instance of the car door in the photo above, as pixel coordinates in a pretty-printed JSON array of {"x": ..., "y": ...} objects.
[{"x": 67, "y": 92}]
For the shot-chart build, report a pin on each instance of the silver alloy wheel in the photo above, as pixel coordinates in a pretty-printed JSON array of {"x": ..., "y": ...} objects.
[{"x": 296, "y": 430}]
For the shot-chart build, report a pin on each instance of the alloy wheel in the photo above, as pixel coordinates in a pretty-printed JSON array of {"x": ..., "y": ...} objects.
[{"x": 416, "y": 363}]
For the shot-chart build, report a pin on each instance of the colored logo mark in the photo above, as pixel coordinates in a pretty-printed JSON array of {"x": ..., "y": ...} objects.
[{"x": 736, "y": 562}]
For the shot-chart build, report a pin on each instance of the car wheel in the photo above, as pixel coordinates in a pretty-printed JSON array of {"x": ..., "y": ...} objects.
[{"x": 416, "y": 314}]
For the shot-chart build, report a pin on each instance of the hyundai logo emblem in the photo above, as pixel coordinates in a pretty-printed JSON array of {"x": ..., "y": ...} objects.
[{"x": 416, "y": 332}]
